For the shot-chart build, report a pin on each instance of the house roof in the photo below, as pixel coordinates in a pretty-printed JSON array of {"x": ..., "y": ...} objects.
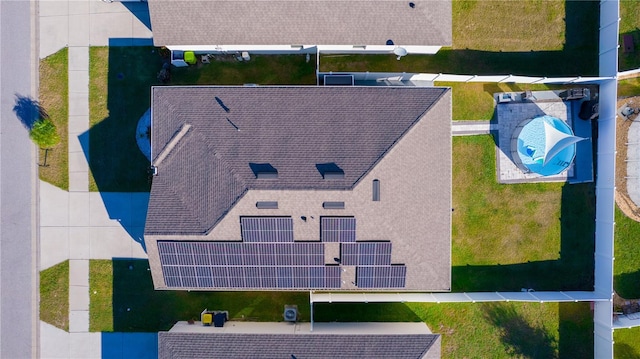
[
  {"x": 206, "y": 227},
  {"x": 301, "y": 22},
  {"x": 205, "y": 138},
  {"x": 308, "y": 346}
]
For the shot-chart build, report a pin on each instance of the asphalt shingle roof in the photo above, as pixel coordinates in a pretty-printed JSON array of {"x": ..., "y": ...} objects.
[
  {"x": 286, "y": 346},
  {"x": 291, "y": 128},
  {"x": 301, "y": 22}
]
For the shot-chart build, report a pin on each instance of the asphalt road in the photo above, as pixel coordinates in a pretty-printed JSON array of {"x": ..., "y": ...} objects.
[{"x": 16, "y": 185}]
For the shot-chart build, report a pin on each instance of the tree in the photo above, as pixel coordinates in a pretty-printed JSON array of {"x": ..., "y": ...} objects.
[{"x": 44, "y": 133}]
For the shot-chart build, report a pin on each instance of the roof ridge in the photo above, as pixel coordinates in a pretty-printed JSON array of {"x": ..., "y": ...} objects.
[
  {"x": 177, "y": 136},
  {"x": 397, "y": 140}
]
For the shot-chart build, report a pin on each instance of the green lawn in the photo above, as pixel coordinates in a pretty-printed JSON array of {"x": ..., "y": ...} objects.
[
  {"x": 119, "y": 93},
  {"x": 626, "y": 269},
  {"x": 490, "y": 25},
  {"x": 120, "y": 78},
  {"x": 499, "y": 330},
  {"x": 626, "y": 344},
  {"x": 629, "y": 24},
  {"x": 474, "y": 100},
  {"x": 54, "y": 98},
  {"x": 124, "y": 300},
  {"x": 54, "y": 295},
  {"x": 262, "y": 69},
  {"x": 550, "y": 38},
  {"x": 506, "y": 237},
  {"x": 629, "y": 87}
]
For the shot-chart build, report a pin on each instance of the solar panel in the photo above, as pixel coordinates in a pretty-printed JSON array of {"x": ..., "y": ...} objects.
[
  {"x": 365, "y": 253},
  {"x": 338, "y": 229},
  {"x": 266, "y": 229},
  {"x": 332, "y": 277},
  {"x": 284, "y": 276},
  {"x": 381, "y": 276},
  {"x": 236, "y": 277}
]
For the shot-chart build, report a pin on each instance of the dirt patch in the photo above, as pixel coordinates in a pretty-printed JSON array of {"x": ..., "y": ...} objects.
[{"x": 626, "y": 205}]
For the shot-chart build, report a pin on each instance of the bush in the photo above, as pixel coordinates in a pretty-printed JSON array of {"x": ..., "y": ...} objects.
[{"x": 44, "y": 133}]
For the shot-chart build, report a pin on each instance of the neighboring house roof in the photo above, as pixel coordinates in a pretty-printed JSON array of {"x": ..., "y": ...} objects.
[
  {"x": 294, "y": 129},
  {"x": 286, "y": 346},
  {"x": 378, "y": 219},
  {"x": 301, "y": 22}
]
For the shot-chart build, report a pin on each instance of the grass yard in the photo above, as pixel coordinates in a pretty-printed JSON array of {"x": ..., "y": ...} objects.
[
  {"x": 497, "y": 37},
  {"x": 506, "y": 237},
  {"x": 626, "y": 268},
  {"x": 474, "y": 100},
  {"x": 119, "y": 94},
  {"x": 54, "y": 98},
  {"x": 499, "y": 25},
  {"x": 629, "y": 87},
  {"x": 626, "y": 344},
  {"x": 262, "y": 69},
  {"x": 119, "y": 82},
  {"x": 124, "y": 300},
  {"x": 54, "y": 295},
  {"x": 629, "y": 25},
  {"x": 487, "y": 330}
]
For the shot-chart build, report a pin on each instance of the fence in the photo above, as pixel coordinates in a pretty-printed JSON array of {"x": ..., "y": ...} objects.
[{"x": 426, "y": 77}]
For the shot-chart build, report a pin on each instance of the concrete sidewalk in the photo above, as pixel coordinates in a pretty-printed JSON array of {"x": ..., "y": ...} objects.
[
  {"x": 472, "y": 127},
  {"x": 80, "y": 225},
  {"x": 92, "y": 23}
]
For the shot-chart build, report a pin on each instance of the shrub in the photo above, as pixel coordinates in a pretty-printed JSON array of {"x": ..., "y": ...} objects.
[{"x": 44, "y": 133}]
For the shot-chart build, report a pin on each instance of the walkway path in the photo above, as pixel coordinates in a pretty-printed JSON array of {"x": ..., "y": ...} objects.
[
  {"x": 633, "y": 162},
  {"x": 464, "y": 128},
  {"x": 80, "y": 225}
]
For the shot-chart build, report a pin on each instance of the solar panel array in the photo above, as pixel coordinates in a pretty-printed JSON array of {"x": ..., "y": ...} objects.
[
  {"x": 246, "y": 265},
  {"x": 254, "y": 277},
  {"x": 338, "y": 229},
  {"x": 240, "y": 254},
  {"x": 381, "y": 276},
  {"x": 269, "y": 258},
  {"x": 365, "y": 253},
  {"x": 266, "y": 229}
]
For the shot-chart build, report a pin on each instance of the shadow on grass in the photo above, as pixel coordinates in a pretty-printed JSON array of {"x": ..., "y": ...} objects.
[
  {"x": 572, "y": 271},
  {"x": 628, "y": 60},
  {"x": 367, "y": 312},
  {"x": 626, "y": 284},
  {"x": 261, "y": 69},
  {"x": 579, "y": 56},
  {"x": 137, "y": 307},
  {"x": 472, "y": 62},
  {"x": 115, "y": 161},
  {"x": 575, "y": 330},
  {"x": 520, "y": 338}
]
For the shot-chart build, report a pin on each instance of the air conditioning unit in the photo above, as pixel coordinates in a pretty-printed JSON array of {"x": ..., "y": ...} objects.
[{"x": 290, "y": 313}]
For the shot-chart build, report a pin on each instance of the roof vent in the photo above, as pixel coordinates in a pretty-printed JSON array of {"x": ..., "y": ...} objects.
[
  {"x": 330, "y": 171},
  {"x": 376, "y": 190},
  {"x": 267, "y": 205},
  {"x": 333, "y": 205},
  {"x": 264, "y": 170}
]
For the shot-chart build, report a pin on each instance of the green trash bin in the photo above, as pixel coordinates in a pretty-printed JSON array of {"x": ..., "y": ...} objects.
[{"x": 189, "y": 57}]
